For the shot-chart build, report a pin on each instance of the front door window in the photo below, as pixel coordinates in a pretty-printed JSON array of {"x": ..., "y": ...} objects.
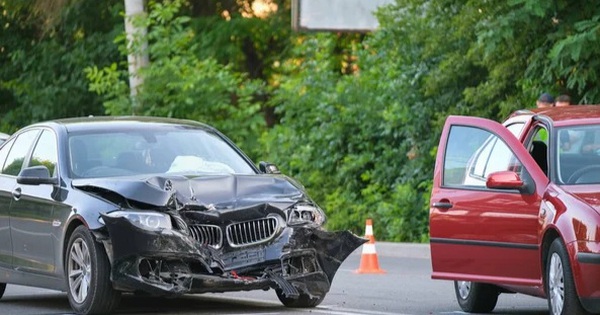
[
  {"x": 45, "y": 152},
  {"x": 472, "y": 154},
  {"x": 19, "y": 151}
]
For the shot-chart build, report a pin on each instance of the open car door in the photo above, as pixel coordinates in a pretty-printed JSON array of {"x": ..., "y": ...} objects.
[{"x": 485, "y": 201}]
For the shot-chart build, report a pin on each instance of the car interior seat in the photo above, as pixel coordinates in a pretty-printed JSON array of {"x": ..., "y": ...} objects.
[{"x": 539, "y": 152}]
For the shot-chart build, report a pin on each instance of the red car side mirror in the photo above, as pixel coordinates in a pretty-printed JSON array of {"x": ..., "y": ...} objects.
[{"x": 504, "y": 180}]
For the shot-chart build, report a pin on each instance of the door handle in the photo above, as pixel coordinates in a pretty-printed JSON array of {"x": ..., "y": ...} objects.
[
  {"x": 442, "y": 205},
  {"x": 17, "y": 193}
]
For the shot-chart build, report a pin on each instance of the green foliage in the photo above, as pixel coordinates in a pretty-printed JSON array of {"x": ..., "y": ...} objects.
[
  {"x": 36, "y": 162},
  {"x": 41, "y": 75},
  {"x": 109, "y": 82},
  {"x": 364, "y": 144},
  {"x": 574, "y": 59},
  {"x": 177, "y": 83},
  {"x": 339, "y": 134},
  {"x": 251, "y": 45},
  {"x": 356, "y": 118},
  {"x": 13, "y": 168}
]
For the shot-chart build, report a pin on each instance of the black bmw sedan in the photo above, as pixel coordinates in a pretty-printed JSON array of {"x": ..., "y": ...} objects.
[{"x": 101, "y": 206}]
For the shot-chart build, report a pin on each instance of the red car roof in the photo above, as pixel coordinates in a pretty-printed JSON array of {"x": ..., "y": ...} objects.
[{"x": 567, "y": 116}]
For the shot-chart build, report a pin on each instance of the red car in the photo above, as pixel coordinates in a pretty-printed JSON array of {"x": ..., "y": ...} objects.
[{"x": 516, "y": 208}]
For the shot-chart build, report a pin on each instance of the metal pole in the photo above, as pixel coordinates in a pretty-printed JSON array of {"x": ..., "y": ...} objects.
[{"x": 137, "y": 56}]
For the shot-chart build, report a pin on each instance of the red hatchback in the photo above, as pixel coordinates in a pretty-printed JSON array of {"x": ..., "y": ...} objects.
[{"x": 515, "y": 208}]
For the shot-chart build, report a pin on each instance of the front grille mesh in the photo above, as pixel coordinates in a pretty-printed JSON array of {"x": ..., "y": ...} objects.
[
  {"x": 210, "y": 235},
  {"x": 252, "y": 232}
]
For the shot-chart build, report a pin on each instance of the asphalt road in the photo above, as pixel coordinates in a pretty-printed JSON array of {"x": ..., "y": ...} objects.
[{"x": 405, "y": 288}]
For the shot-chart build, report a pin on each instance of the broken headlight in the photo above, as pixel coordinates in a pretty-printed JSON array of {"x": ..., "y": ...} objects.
[
  {"x": 144, "y": 219},
  {"x": 305, "y": 214}
]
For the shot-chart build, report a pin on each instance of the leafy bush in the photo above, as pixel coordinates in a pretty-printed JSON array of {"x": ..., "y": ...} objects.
[
  {"x": 364, "y": 144},
  {"x": 178, "y": 84},
  {"x": 41, "y": 76},
  {"x": 354, "y": 117},
  {"x": 341, "y": 136}
]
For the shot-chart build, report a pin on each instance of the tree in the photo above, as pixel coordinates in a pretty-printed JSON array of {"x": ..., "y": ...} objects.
[
  {"x": 179, "y": 84},
  {"x": 356, "y": 118},
  {"x": 366, "y": 143},
  {"x": 43, "y": 57}
]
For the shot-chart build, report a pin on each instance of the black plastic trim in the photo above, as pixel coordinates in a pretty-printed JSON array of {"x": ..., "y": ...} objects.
[
  {"x": 483, "y": 243},
  {"x": 588, "y": 258},
  {"x": 591, "y": 305}
]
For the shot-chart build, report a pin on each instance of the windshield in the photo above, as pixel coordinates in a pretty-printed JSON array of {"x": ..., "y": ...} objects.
[
  {"x": 578, "y": 154},
  {"x": 149, "y": 151}
]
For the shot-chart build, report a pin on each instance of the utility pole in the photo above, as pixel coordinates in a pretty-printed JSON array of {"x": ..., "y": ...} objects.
[{"x": 137, "y": 56}]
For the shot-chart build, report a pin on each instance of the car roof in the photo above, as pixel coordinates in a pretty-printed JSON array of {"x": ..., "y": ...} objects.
[
  {"x": 566, "y": 115},
  {"x": 101, "y": 122}
]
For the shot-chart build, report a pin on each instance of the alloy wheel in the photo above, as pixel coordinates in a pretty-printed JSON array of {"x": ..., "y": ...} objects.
[
  {"x": 464, "y": 288},
  {"x": 556, "y": 284},
  {"x": 79, "y": 270}
]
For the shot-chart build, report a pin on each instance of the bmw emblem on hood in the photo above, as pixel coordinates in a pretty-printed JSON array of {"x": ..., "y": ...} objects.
[{"x": 168, "y": 185}]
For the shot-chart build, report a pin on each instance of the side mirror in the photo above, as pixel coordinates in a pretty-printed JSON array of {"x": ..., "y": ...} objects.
[
  {"x": 36, "y": 175},
  {"x": 268, "y": 168},
  {"x": 504, "y": 180}
]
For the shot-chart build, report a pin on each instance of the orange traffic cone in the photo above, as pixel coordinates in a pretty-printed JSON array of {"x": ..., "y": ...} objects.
[{"x": 368, "y": 260}]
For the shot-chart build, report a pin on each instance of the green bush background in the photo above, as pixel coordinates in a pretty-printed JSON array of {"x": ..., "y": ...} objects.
[{"x": 354, "y": 117}]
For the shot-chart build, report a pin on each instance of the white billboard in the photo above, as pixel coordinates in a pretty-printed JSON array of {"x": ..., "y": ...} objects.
[{"x": 336, "y": 15}]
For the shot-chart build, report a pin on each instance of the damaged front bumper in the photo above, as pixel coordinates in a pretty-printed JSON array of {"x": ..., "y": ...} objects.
[{"x": 298, "y": 261}]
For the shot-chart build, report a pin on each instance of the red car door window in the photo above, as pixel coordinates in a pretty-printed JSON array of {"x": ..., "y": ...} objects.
[{"x": 472, "y": 154}]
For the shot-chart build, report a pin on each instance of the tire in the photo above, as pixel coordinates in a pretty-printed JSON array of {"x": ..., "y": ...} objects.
[
  {"x": 303, "y": 301},
  {"x": 87, "y": 273},
  {"x": 560, "y": 287},
  {"x": 474, "y": 297},
  {"x": 2, "y": 288}
]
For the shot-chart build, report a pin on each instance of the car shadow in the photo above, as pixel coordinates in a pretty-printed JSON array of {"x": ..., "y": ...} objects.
[
  {"x": 194, "y": 304},
  {"x": 515, "y": 311},
  {"x": 48, "y": 303},
  {"x": 133, "y": 304}
]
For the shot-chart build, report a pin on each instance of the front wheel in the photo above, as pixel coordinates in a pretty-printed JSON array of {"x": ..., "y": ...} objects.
[
  {"x": 303, "y": 301},
  {"x": 560, "y": 287},
  {"x": 476, "y": 297},
  {"x": 87, "y": 271}
]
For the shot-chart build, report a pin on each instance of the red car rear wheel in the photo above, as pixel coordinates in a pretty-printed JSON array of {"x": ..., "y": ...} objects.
[{"x": 474, "y": 297}]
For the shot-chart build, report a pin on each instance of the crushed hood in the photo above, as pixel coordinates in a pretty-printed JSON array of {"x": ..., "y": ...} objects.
[{"x": 218, "y": 191}]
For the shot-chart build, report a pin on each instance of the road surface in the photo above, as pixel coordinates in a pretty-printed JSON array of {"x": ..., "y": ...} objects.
[{"x": 405, "y": 288}]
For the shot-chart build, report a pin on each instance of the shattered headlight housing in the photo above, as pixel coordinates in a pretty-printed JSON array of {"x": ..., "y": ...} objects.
[
  {"x": 148, "y": 220},
  {"x": 305, "y": 214}
]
